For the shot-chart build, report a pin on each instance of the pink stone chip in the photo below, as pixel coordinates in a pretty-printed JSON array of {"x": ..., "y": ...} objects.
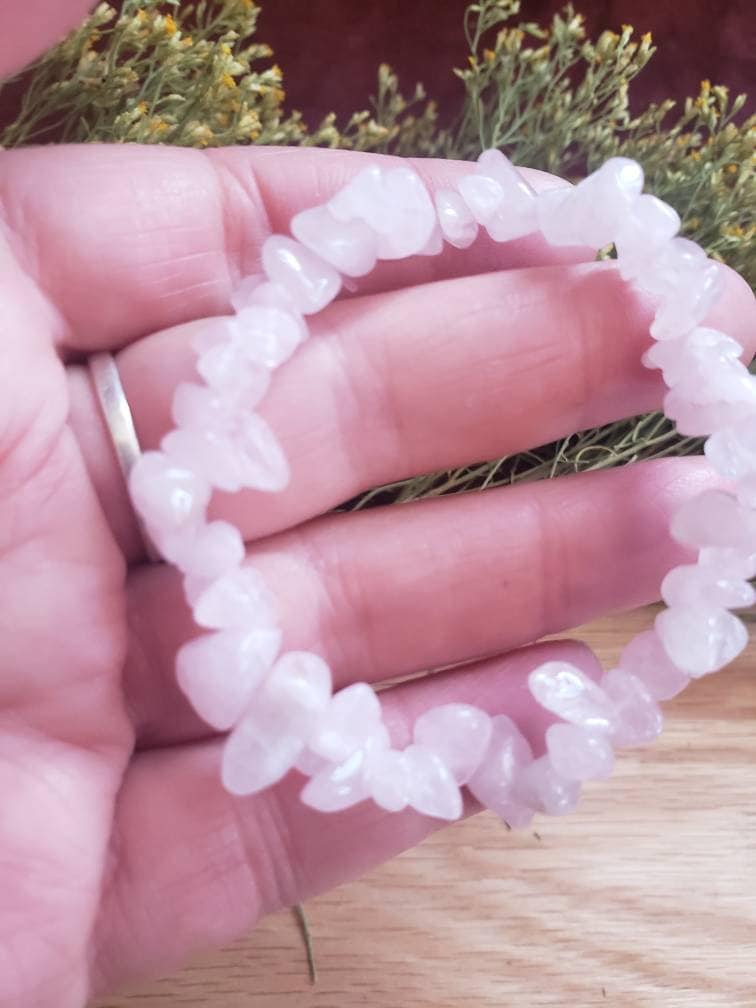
[
  {"x": 300, "y": 685},
  {"x": 569, "y": 693},
  {"x": 645, "y": 658},
  {"x": 457, "y": 223},
  {"x": 237, "y": 600},
  {"x": 270, "y": 737},
  {"x": 227, "y": 369},
  {"x": 499, "y": 198},
  {"x": 579, "y": 754},
  {"x": 168, "y": 495},
  {"x": 594, "y": 211},
  {"x": 334, "y": 789},
  {"x": 268, "y": 333},
  {"x": 715, "y": 518},
  {"x": 258, "y": 753},
  {"x": 220, "y": 672},
  {"x": 730, "y": 563},
  {"x": 493, "y": 782},
  {"x": 389, "y": 779},
  {"x": 639, "y": 719},
  {"x": 351, "y": 721},
  {"x": 697, "y": 586},
  {"x": 394, "y": 204},
  {"x": 649, "y": 224},
  {"x": 205, "y": 551},
  {"x": 732, "y": 450},
  {"x": 433, "y": 790},
  {"x": 308, "y": 280},
  {"x": 458, "y": 734},
  {"x": 349, "y": 246},
  {"x": 542, "y": 786},
  {"x": 701, "y": 640}
]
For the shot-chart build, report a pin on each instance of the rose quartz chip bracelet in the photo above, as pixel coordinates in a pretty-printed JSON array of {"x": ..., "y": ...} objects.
[{"x": 279, "y": 707}]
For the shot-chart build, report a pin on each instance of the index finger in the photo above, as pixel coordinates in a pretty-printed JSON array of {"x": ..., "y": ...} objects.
[{"x": 129, "y": 239}]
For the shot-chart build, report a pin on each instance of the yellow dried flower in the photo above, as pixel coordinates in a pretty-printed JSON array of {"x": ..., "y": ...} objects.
[
  {"x": 169, "y": 26},
  {"x": 228, "y": 81}
]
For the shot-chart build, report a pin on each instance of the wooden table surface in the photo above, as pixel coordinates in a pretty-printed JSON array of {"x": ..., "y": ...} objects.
[{"x": 645, "y": 897}]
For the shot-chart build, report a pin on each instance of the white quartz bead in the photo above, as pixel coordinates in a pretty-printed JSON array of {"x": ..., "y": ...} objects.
[
  {"x": 237, "y": 600},
  {"x": 701, "y": 640},
  {"x": 351, "y": 720},
  {"x": 433, "y": 790},
  {"x": 389, "y": 779},
  {"x": 645, "y": 658},
  {"x": 569, "y": 693},
  {"x": 715, "y": 518},
  {"x": 543, "y": 787},
  {"x": 311, "y": 282},
  {"x": 228, "y": 370},
  {"x": 350, "y": 246},
  {"x": 220, "y": 672},
  {"x": 168, "y": 495},
  {"x": 336, "y": 788},
  {"x": 394, "y": 204},
  {"x": 639, "y": 719},
  {"x": 701, "y": 587},
  {"x": 457, "y": 223},
  {"x": 205, "y": 551},
  {"x": 732, "y": 450},
  {"x": 458, "y": 734},
  {"x": 499, "y": 198},
  {"x": 579, "y": 754},
  {"x": 648, "y": 225},
  {"x": 594, "y": 211},
  {"x": 494, "y": 781}
]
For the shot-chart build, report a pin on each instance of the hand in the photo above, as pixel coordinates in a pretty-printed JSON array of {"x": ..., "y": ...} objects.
[{"x": 120, "y": 852}]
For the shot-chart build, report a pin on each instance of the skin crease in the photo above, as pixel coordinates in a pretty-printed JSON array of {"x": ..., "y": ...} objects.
[{"x": 120, "y": 855}]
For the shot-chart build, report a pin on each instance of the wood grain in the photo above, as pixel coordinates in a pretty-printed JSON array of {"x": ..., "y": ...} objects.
[{"x": 645, "y": 898}]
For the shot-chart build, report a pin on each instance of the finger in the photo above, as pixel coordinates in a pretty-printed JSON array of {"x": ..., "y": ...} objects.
[
  {"x": 392, "y": 591},
  {"x": 197, "y": 867},
  {"x": 165, "y": 233},
  {"x": 407, "y": 382},
  {"x": 31, "y": 26}
]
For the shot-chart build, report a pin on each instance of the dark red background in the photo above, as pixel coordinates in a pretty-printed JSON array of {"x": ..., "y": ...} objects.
[{"x": 330, "y": 49}]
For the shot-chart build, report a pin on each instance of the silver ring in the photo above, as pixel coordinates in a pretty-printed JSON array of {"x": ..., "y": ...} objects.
[{"x": 120, "y": 423}]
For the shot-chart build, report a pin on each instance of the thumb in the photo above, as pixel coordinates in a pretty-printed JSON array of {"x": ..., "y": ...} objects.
[{"x": 28, "y": 27}]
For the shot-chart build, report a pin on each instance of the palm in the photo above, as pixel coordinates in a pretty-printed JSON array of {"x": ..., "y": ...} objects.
[
  {"x": 64, "y": 735},
  {"x": 120, "y": 853}
]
